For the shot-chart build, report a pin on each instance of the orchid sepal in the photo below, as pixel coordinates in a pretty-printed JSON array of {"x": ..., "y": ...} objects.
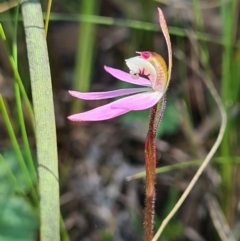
[{"x": 153, "y": 86}]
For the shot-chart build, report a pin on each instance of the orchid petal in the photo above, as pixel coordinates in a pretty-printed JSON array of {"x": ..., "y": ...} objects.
[
  {"x": 161, "y": 70},
  {"x": 140, "y": 101},
  {"x": 123, "y": 76},
  {"x": 106, "y": 94},
  {"x": 104, "y": 112},
  {"x": 142, "y": 66},
  {"x": 164, "y": 28}
]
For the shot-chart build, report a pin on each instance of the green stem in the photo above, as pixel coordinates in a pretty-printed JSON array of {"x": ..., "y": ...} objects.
[{"x": 44, "y": 119}]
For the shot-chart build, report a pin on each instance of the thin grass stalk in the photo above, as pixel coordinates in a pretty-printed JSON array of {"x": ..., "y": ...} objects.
[
  {"x": 139, "y": 39},
  {"x": 182, "y": 70},
  {"x": 17, "y": 149},
  {"x": 85, "y": 51},
  {"x": 182, "y": 165},
  {"x": 228, "y": 13},
  {"x": 27, "y": 149},
  {"x": 227, "y": 170},
  {"x": 45, "y": 121},
  {"x": 14, "y": 44},
  {"x": 49, "y": 5},
  {"x": 23, "y": 130},
  {"x": 197, "y": 14},
  {"x": 133, "y": 24},
  {"x": 236, "y": 58},
  {"x": 18, "y": 78},
  {"x": 64, "y": 233},
  {"x": 207, "y": 159}
]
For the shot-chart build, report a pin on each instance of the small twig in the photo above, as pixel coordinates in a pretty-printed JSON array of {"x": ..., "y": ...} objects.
[
  {"x": 208, "y": 157},
  {"x": 47, "y": 16}
]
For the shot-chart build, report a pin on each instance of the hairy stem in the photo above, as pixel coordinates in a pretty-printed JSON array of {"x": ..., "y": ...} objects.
[{"x": 150, "y": 163}]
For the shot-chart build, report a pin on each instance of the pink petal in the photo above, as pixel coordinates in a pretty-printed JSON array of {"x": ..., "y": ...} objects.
[
  {"x": 121, "y": 75},
  {"x": 104, "y": 112},
  {"x": 119, "y": 107},
  {"x": 106, "y": 94},
  {"x": 140, "y": 101}
]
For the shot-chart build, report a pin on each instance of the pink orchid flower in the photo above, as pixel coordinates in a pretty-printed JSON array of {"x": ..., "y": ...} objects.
[{"x": 149, "y": 64}]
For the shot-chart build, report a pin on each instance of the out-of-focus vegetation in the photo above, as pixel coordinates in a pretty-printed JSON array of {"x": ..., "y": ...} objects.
[{"x": 97, "y": 202}]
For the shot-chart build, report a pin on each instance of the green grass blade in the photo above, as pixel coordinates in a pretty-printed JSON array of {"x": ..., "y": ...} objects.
[
  {"x": 19, "y": 104},
  {"x": 44, "y": 119},
  {"x": 16, "y": 147},
  {"x": 134, "y": 24},
  {"x": 14, "y": 44},
  {"x": 182, "y": 165},
  {"x": 85, "y": 53},
  {"x": 64, "y": 233},
  {"x": 228, "y": 12},
  {"x": 27, "y": 148},
  {"x": 18, "y": 78}
]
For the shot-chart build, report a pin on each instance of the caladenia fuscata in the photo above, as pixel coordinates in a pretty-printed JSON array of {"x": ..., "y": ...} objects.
[{"x": 150, "y": 94}]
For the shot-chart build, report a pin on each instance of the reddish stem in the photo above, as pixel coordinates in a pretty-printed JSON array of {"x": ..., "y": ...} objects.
[{"x": 150, "y": 163}]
